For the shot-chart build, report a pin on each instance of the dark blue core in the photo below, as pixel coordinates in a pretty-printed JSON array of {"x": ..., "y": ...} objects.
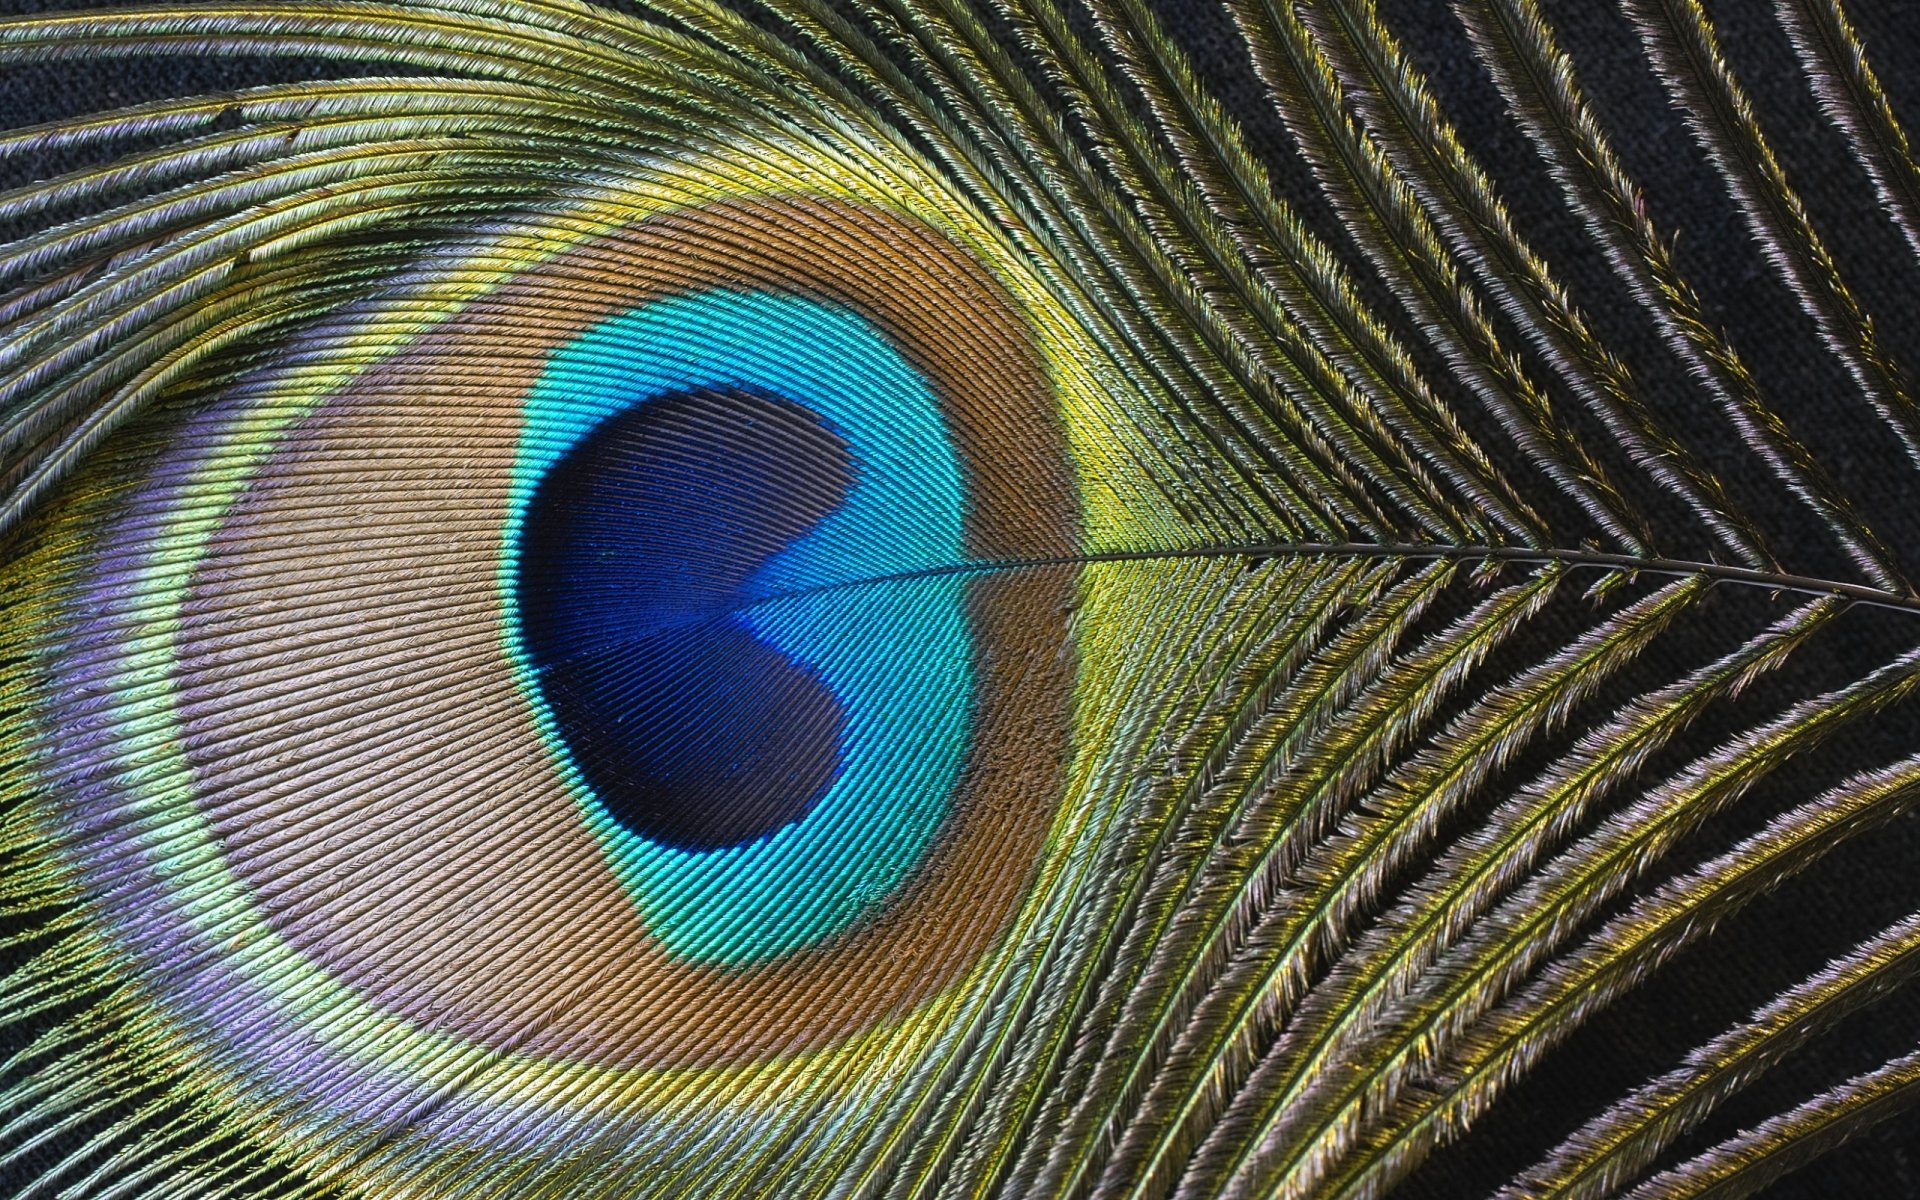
[{"x": 635, "y": 552}]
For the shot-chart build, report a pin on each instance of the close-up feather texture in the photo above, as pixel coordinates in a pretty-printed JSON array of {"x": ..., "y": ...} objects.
[{"x": 933, "y": 598}]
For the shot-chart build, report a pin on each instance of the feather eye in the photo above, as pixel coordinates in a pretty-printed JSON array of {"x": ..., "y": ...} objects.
[
  {"x": 807, "y": 599},
  {"x": 657, "y": 666}
]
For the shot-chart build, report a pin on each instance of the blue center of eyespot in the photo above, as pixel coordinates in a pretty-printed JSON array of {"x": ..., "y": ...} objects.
[
  {"x": 724, "y": 507},
  {"x": 639, "y": 548}
]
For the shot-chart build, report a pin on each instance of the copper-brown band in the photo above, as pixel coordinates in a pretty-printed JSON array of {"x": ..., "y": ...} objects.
[{"x": 375, "y": 775}]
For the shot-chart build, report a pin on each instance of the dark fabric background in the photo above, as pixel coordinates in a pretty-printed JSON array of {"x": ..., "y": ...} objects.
[{"x": 1851, "y": 894}]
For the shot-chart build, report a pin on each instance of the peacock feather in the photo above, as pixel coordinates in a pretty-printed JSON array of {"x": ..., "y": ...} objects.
[{"x": 911, "y": 598}]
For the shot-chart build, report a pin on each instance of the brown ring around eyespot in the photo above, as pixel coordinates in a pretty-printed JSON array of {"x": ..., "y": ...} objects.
[{"x": 374, "y": 774}]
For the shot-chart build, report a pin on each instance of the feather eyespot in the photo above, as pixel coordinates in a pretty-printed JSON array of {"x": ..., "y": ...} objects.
[
  {"x": 623, "y": 672},
  {"x": 620, "y": 673},
  {"x": 833, "y": 573}
]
